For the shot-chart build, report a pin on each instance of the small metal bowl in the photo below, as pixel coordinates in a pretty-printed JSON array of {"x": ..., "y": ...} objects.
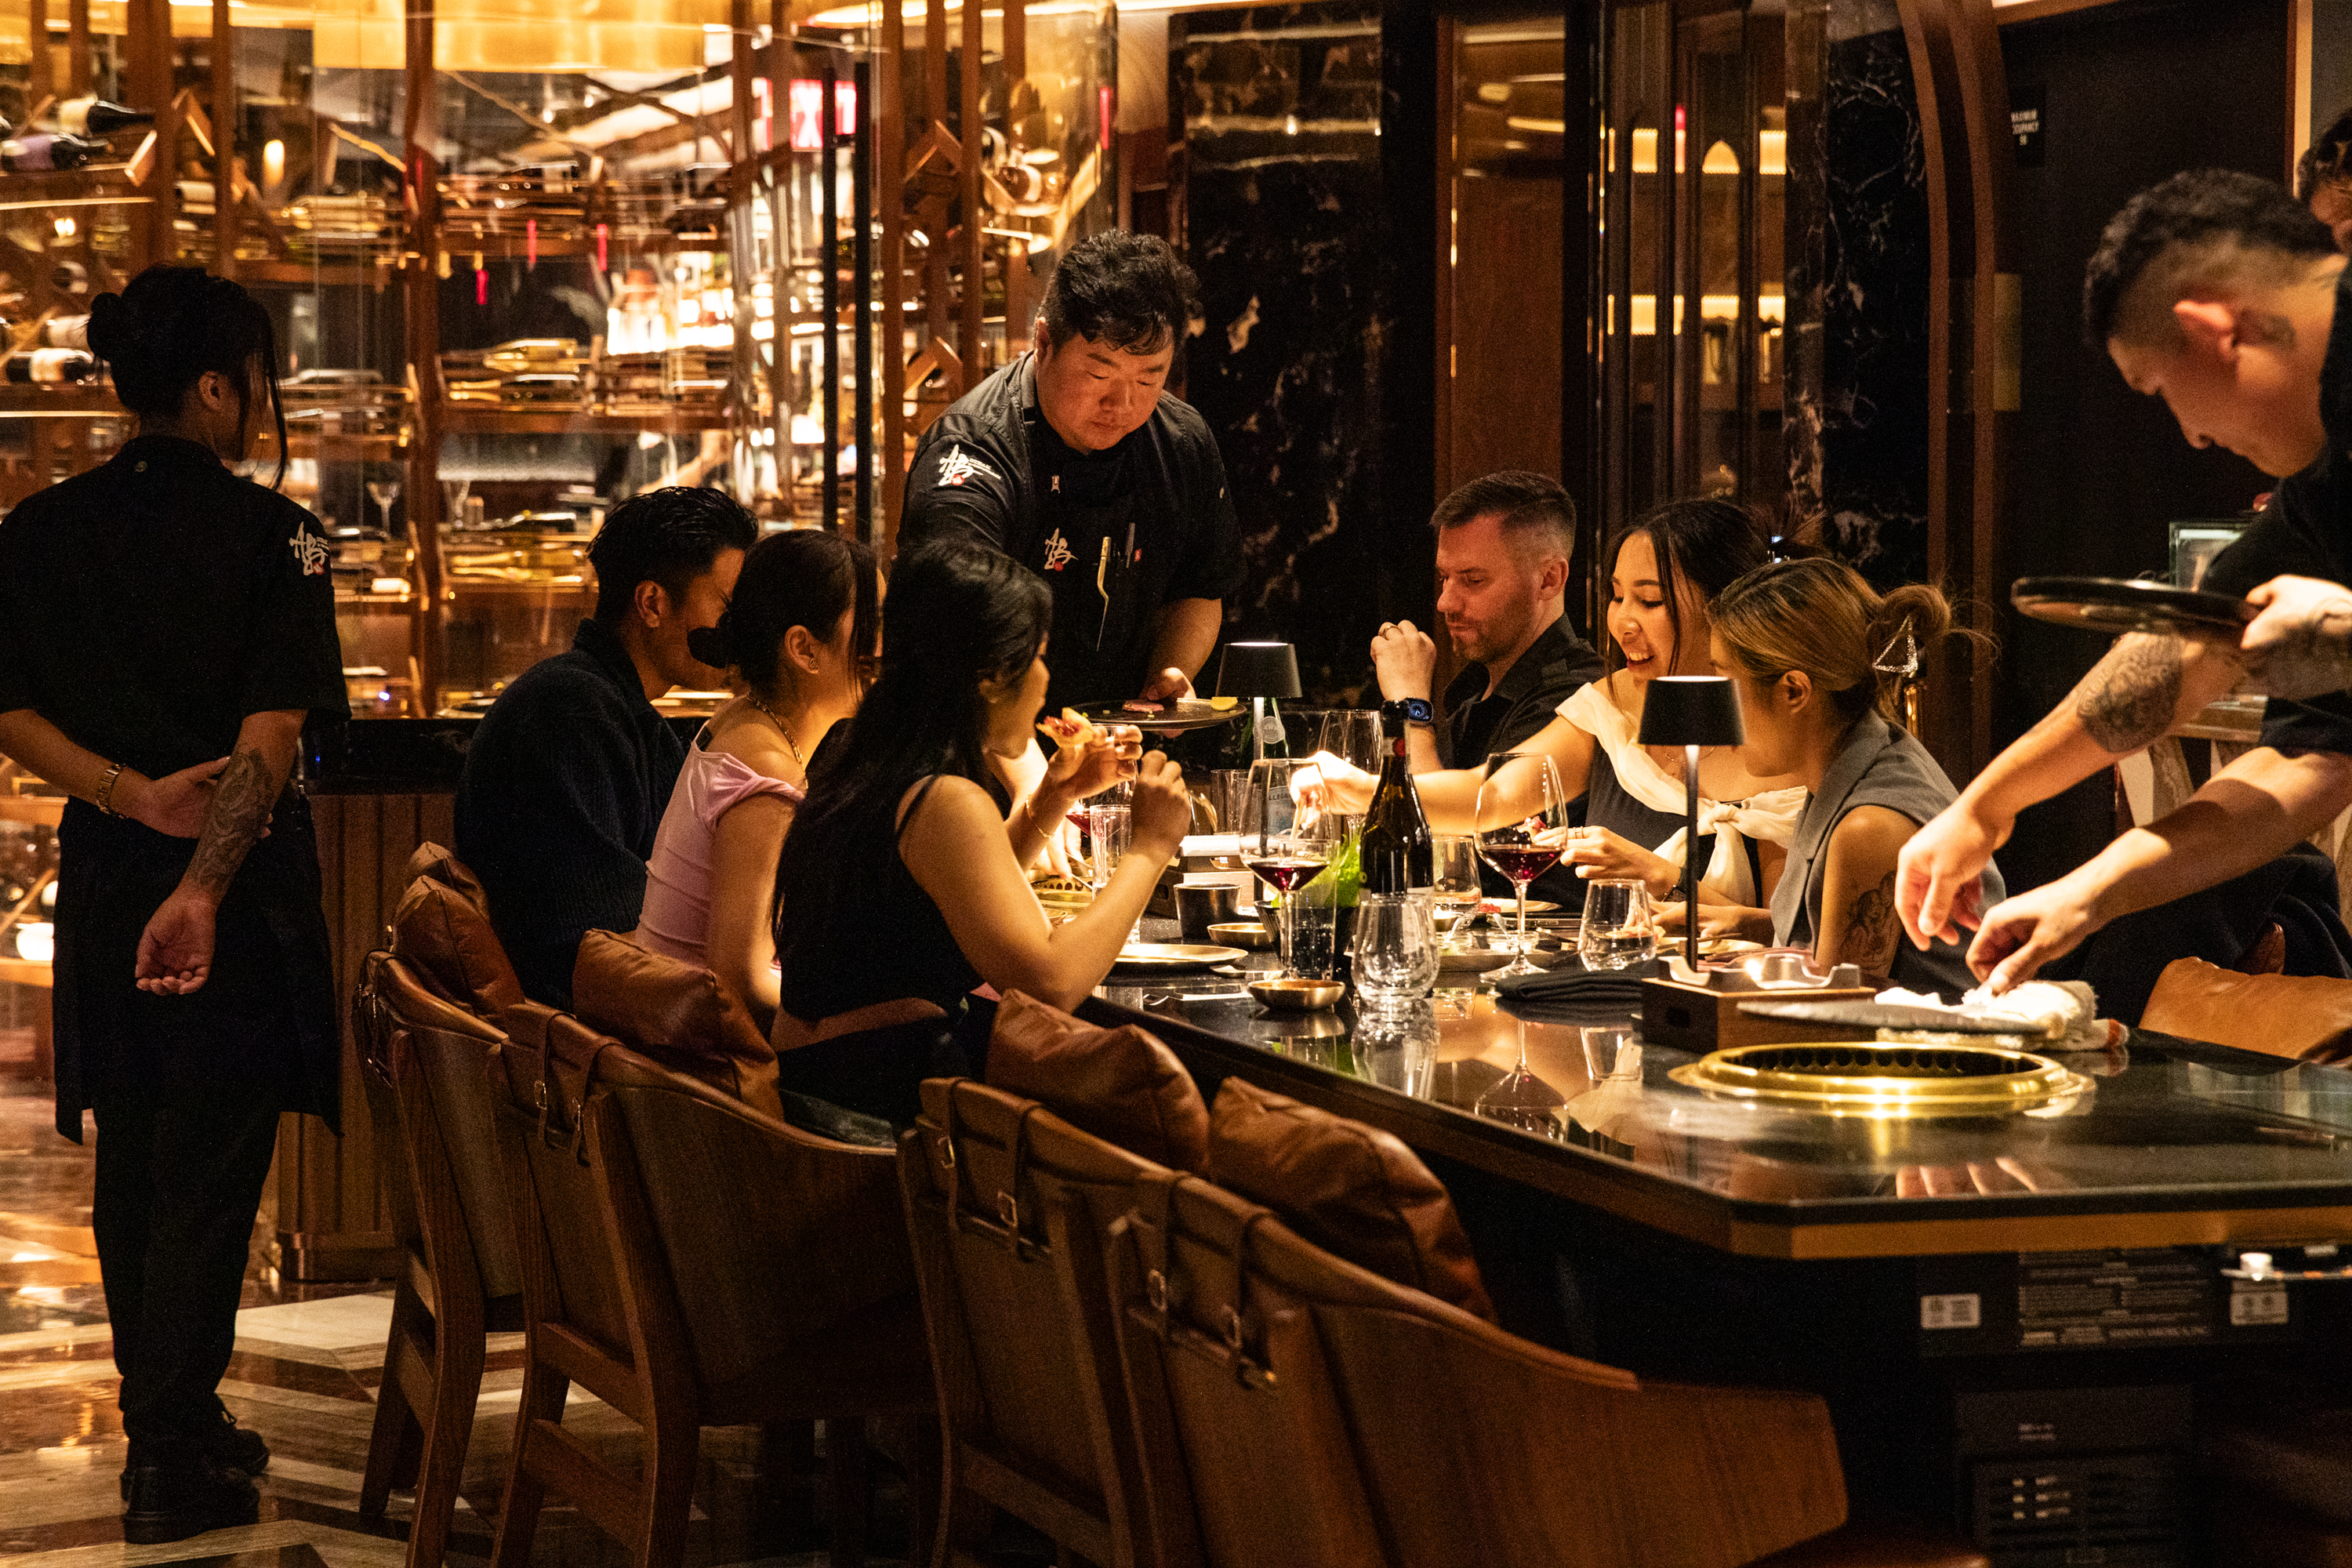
[
  {"x": 1242, "y": 934},
  {"x": 1298, "y": 996}
]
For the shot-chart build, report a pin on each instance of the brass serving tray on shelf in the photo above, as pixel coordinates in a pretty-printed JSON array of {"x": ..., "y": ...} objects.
[{"x": 1837, "y": 1077}]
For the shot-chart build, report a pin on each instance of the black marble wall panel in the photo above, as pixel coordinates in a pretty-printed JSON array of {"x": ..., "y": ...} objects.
[
  {"x": 1858, "y": 295},
  {"x": 1276, "y": 202}
]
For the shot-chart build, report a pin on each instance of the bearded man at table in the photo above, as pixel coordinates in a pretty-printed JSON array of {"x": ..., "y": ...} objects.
[{"x": 2216, "y": 292}]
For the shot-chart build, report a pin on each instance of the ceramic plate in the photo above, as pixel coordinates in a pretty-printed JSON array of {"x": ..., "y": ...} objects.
[
  {"x": 1172, "y": 957},
  {"x": 1172, "y": 721},
  {"x": 2110, "y": 605}
]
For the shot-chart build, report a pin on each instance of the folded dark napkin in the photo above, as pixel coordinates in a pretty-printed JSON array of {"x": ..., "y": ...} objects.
[{"x": 1576, "y": 988}]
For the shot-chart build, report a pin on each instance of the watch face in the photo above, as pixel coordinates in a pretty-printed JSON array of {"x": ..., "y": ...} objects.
[{"x": 1417, "y": 710}]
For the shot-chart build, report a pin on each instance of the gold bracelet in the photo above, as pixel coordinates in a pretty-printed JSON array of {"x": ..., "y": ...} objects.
[{"x": 102, "y": 796}]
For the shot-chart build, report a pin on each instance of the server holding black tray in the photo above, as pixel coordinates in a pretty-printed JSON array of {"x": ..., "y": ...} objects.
[{"x": 2215, "y": 291}]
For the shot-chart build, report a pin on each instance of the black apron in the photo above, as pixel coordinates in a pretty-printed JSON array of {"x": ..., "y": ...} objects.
[
  {"x": 1094, "y": 597},
  {"x": 264, "y": 1022}
]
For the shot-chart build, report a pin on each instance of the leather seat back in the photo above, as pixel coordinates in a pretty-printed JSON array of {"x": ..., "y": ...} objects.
[
  {"x": 2304, "y": 1017},
  {"x": 442, "y": 927},
  {"x": 676, "y": 1014}
]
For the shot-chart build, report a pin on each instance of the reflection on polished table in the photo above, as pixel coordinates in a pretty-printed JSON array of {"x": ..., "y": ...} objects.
[
  {"x": 2176, "y": 1142},
  {"x": 1990, "y": 1305}
]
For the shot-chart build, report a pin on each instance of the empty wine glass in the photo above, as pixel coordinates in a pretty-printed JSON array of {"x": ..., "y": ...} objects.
[
  {"x": 384, "y": 492},
  {"x": 456, "y": 490},
  {"x": 1522, "y": 817},
  {"x": 1353, "y": 735},
  {"x": 1283, "y": 842}
]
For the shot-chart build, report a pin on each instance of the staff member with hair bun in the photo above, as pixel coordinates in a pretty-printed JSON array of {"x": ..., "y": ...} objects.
[{"x": 165, "y": 627}]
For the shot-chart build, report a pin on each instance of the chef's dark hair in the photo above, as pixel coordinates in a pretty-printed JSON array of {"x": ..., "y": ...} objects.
[
  {"x": 667, "y": 536},
  {"x": 170, "y": 327},
  {"x": 806, "y": 577},
  {"x": 2200, "y": 226},
  {"x": 959, "y": 615},
  {"x": 1708, "y": 541},
  {"x": 1130, "y": 290}
]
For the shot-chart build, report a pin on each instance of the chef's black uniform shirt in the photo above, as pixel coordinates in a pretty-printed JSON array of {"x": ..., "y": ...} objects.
[
  {"x": 1115, "y": 535},
  {"x": 2306, "y": 532},
  {"x": 146, "y": 608}
]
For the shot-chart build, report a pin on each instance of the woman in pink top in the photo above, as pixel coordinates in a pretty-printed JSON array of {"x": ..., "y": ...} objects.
[{"x": 800, "y": 633}]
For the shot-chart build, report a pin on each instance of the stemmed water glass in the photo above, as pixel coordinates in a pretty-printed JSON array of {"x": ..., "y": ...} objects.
[
  {"x": 1286, "y": 842},
  {"x": 384, "y": 492},
  {"x": 1352, "y": 735},
  {"x": 1522, "y": 817},
  {"x": 1454, "y": 865}
]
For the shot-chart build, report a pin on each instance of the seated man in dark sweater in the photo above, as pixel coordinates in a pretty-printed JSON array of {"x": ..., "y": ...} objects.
[{"x": 571, "y": 768}]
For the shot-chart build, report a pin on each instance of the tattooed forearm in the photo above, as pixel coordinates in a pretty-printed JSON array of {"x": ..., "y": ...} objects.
[
  {"x": 239, "y": 811},
  {"x": 2128, "y": 698},
  {"x": 1871, "y": 929}
]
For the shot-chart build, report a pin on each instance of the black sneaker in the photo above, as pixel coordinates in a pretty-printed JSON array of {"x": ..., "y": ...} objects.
[
  {"x": 174, "y": 1500},
  {"x": 228, "y": 1444}
]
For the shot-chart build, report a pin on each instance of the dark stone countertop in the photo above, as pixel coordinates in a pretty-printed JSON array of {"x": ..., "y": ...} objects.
[{"x": 2173, "y": 1141}]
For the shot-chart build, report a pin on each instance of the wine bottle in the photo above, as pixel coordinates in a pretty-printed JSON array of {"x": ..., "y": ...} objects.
[
  {"x": 66, "y": 333},
  {"x": 93, "y": 116},
  {"x": 39, "y": 154},
  {"x": 48, "y": 364},
  {"x": 1397, "y": 853}
]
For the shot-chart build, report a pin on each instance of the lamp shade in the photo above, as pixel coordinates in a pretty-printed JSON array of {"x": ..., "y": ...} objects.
[
  {"x": 1691, "y": 711},
  {"x": 1258, "y": 669}
]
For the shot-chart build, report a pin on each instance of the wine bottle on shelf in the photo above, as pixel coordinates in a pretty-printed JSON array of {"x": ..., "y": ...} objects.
[
  {"x": 93, "y": 116},
  {"x": 39, "y": 154},
  {"x": 1398, "y": 854},
  {"x": 66, "y": 333},
  {"x": 48, "y": 366}
]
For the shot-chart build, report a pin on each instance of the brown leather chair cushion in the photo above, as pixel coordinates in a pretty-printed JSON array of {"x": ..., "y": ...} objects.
[
  {"x": 2306, "y": 1017},
  {"x": 442, "y": 927},
  {"x": 1351, "y": 1188},
  {"x": 1122, "y": 1085},
  {"x": 675, "y": 1012}
]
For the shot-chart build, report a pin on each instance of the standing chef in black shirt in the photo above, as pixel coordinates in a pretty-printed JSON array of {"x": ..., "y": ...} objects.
[
  {"x": 1076, "y": 461},
  {"x": 167, "y": 627}
]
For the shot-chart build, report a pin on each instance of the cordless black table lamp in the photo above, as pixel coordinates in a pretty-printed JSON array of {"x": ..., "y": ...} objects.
[
  {"x": 1259, "y": 672},
  {"x": 1691, "y": 711}
]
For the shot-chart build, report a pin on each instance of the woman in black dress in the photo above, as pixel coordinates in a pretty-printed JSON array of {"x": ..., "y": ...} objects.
[{"x": 165, "y": 627}]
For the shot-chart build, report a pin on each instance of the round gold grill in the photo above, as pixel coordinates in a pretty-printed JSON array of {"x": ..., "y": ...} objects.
[{"x": 1849, "y": 1079}]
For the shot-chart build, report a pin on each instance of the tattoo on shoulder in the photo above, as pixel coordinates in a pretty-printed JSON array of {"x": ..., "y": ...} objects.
[
  {"x": 233, "y": 822},
  {"x": 1872, "y": 932},
  {"x": 2126, "y": 706}
]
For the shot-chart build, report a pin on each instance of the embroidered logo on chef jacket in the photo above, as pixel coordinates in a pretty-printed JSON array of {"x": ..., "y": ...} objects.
[
  {"x": 311, "y": 551},
  {"x": 1057, "y": 552},
  {"x": 960, "y": 466}
]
